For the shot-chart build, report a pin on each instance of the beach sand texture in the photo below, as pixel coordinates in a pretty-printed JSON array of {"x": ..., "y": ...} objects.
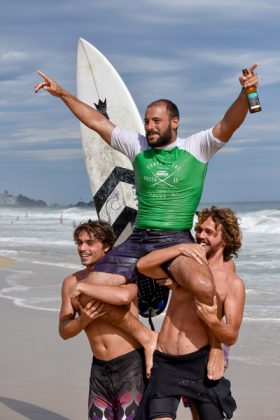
[
  {"x": 43, "y": 377},
  {"x": 6, "y": 261},
  {"x": 46, "y": 378}
]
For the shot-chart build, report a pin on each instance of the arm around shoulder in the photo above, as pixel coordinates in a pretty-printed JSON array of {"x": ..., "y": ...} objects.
[
  {"x": 234, "y": 308},
  {"x": 226, "y": 330}
]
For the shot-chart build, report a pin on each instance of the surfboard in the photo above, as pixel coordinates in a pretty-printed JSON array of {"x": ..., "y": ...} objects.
[{"x": 110, "y": 173}]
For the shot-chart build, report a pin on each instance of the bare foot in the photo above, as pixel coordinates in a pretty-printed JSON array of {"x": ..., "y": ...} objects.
[
  {"x": 149, "y": 349},
  {"x": 216, "y": 363}
]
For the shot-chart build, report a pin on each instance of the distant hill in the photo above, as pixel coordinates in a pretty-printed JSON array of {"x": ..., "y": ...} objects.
[
  {"x": 9, "y": 200},
  {"x": 23, "y": 201}
]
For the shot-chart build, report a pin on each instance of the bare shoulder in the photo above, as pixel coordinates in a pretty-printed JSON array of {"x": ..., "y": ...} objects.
[
  {"x": 230, "y": 265},
  {"x": 235, "y": 283},
  {"x": 74, "y": 278}
]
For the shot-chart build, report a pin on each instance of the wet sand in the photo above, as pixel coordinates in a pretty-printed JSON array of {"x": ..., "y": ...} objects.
[
  {"x": 43, "y": 377},
  {"x": 6, "y": 261}
]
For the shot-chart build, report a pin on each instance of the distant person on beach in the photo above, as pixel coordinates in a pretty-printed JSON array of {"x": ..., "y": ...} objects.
[
  {"x": 170, "y": 173},
  {"x": 117, "y": 377},
  {"x": 182, "y": 350}
]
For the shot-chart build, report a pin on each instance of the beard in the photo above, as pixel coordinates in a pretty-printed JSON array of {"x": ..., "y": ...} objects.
[
  {"x": 213, "y": 250},
  {"x": 163, "y": 140}
]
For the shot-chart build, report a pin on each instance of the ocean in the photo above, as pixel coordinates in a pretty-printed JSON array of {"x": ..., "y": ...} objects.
[{"x": 41, "y": 243}]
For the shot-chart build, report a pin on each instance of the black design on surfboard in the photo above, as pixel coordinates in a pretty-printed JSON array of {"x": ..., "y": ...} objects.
[
  {"x": 117, "y": 175},
  {"x": 128, "y": 215},
  {"x": 102, "y": 107}
]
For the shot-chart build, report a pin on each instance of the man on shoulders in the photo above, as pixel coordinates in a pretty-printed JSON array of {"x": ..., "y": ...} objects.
[{"x": 170, "y": 174}]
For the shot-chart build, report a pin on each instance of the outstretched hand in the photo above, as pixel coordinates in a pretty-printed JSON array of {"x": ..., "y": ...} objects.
[
  {"x": 251, "y": 79},
  {"x": 49, "y": 85}
]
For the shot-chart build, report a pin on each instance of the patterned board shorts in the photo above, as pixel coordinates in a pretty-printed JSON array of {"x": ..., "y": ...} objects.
[{"x": 116, "y": 387}]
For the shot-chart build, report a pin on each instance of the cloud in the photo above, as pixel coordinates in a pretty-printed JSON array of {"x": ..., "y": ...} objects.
[
  {"x": 234, "y": 6},
  {"x": 31, "y": 136},
  {"x": 13, "y": 65},
  {"x": 50, "y": 155},
  {"x": 193, "y": 12},
  {"x": 267, "y": 60},
  {"x": 189, "y": 51}
]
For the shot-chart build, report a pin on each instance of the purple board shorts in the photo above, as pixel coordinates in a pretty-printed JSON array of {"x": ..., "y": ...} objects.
[{"x": 122, "y": 259}]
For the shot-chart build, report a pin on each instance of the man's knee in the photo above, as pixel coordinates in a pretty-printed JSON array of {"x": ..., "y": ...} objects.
[{"x": 194, "y": 277}]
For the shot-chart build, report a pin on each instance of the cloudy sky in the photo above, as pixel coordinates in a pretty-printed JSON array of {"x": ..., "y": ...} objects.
[{"x": 191, "y": 51}]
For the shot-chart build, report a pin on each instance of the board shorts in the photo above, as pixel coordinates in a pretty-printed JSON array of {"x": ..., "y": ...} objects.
[
  {"x": 175, "y": 376},
  {"x": 122, "y": 259},
  {"x": 116, "y": 386},
  {"x": 186, "y": 401}
]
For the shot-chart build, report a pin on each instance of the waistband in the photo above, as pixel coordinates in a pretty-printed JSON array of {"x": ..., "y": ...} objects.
[
  {"x": 124, "y": 357},
  {"x": 182, "y": 357}
]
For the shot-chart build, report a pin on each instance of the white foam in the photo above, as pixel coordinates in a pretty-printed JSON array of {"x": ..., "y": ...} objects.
[
  {"x": 264, "y": 221},
  {"x": 248, "y": 319}
]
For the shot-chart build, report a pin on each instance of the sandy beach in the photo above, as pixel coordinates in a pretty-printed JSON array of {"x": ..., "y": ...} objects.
[
  {"x": 6, "y": 261},
  {"x": 44, "y": 377}
]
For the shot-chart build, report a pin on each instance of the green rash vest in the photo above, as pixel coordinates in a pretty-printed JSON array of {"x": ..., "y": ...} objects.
[{"x": 169, "y": 181}]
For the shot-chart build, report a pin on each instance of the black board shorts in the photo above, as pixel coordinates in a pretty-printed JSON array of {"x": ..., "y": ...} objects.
[{"x": 175, "y": 376}]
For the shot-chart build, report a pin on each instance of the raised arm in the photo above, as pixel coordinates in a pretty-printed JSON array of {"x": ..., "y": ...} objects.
[
  {"x": 150, "y": 264},
  {"x": 85, "y": 113},
  {"x": 70, "y": 324},
  {"x": 237, "y": 112}
]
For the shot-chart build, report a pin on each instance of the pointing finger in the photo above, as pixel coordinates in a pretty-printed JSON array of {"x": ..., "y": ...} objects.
[
  {"x": 42, "y": 74},
  {"x": 252, "y": 69}
]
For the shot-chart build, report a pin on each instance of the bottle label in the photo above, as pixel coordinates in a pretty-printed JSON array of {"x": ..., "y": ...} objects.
[{"x": 254, "y": 101}]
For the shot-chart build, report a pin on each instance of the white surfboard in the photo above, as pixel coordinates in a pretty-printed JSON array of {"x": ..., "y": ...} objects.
[{"x": 110, "y": 173}]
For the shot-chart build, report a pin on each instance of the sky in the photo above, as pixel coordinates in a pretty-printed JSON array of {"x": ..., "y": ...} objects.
[{"x": 189, "y": 51}]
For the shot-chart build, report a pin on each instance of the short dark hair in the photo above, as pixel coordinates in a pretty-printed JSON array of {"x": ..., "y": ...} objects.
[
  {"x": 231, "y": 233},
  {"x": 170, "y": 106},
  {"x": 102, "y": 231}
]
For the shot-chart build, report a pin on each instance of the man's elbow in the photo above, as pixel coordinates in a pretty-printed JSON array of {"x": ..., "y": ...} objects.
[
  {"x": 63, "y": 334},
  {"x": 125, "y": 299},
  {"x": 231, "y": 340}
]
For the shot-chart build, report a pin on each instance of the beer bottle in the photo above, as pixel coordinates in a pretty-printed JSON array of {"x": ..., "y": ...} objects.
[{"x": 252, "y": 96}]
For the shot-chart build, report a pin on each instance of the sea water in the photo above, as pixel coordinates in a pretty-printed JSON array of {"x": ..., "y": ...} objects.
[{"x": 41, "y": 243}]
